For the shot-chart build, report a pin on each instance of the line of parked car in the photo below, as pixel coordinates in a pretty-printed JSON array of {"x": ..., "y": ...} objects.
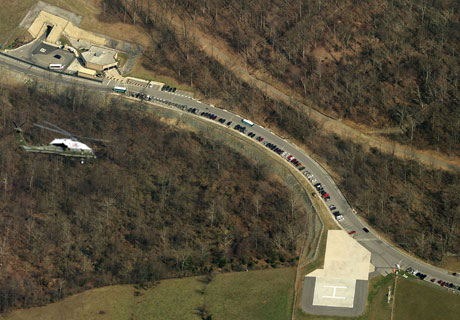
[
  {"x": 319, "y": 188},
  {"x": 422, "y": 276},
  {"x": 168, "y": 88},
  {"x": 163, "y": 101},
  {"x": 289, "y": 157},
  {"x": 416, "y": 273},
  {"x": 239, "y": 128},
  {"x": 209, "y": 115},
  {"x": 446, "y": 284}
]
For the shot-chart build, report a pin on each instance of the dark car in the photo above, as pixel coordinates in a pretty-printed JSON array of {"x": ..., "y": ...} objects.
[
  {"x": 366, "y": 230},
  {"x": 229, "y": 123}
]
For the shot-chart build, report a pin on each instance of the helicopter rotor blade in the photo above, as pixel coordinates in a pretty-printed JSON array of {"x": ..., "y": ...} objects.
[
  {"x": 92, "y": 139},
  {"x": 15, "y": 125},
  {"x": 58, "y": 128},
  {"x": 51, "y": 129}
]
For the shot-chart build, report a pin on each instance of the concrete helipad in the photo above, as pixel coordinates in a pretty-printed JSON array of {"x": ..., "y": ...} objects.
[
  {"x": 340, "y": 287},
  {"x": 359, "y": 300},
  {"x": 334, "y": 292}
]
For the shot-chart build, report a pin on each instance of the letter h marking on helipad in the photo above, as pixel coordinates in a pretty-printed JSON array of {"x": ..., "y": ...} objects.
[{"x": 335, "y": 290}]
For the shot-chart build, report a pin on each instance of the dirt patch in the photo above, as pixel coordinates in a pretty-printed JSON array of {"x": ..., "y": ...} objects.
[
  {"x": 451, "y": 263},
  {"x": 42, "y": 6}
]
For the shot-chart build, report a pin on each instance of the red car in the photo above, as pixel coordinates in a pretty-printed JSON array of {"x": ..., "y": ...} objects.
[{"x": 352, "y": 233}]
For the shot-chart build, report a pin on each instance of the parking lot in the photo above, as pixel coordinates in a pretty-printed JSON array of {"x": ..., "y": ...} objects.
[{"x": 44, "y": 55}]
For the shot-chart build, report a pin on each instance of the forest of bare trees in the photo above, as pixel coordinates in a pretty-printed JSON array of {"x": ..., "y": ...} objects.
[
  {"x": 160, "y": 203},
  {"x": 416, "y": 207},
  {"x": 385, "y": 63},
  {"x": 166, "y": 202}
]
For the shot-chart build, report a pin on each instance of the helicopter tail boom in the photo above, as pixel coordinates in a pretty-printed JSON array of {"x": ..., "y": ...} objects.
[{"x": 19, "y": 137}]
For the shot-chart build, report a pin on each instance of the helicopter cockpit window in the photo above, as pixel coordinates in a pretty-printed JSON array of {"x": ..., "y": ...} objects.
[{"x": 63, "y": 146}]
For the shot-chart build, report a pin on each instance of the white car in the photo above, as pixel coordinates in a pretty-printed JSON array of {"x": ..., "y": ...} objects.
[{"x": 338, "y": 216}]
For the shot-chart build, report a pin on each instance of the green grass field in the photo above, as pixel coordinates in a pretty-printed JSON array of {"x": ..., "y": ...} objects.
[
  {"x": 10, "y": 16},
  {"x": 422, "y": 301},
  {"x": 264, "y": 294}
]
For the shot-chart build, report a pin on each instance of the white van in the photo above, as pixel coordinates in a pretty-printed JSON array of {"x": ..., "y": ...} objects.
[{"x": 56, "y": 66}]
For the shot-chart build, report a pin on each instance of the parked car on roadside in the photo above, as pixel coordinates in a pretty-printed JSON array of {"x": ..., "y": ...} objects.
[{"x": 338, "y": 216}]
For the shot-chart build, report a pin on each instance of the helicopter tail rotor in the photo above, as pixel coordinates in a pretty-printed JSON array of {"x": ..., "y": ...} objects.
[{"x": 18, "y": 127}]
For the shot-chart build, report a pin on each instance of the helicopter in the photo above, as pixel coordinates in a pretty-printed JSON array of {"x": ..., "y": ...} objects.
[{"x": 64, "y": 147}]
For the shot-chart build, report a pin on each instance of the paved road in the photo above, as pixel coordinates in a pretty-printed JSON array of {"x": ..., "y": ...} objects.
[{"x": 384, "y": 255}]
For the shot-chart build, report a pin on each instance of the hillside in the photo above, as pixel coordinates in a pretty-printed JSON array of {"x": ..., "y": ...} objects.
[
  {"x": 261, "y": 294},
  {"x": 166, "y": 203},
  {"x": 414, "y": 205},
  {"x": 162, "y": 202},
  {"x": 378, "y": 64}
]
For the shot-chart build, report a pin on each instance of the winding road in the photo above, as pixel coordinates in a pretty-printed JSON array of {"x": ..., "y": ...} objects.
[{"x": 384, "y": 256}]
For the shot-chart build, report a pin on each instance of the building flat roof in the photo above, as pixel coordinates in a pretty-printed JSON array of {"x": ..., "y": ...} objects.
[
  {"x": 345, "y": 258},
  {"x": 100, "y": 55}
]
